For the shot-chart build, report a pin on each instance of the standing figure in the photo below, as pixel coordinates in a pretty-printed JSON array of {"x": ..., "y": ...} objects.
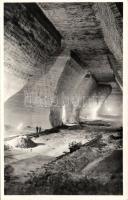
[
  {"x": 37, "y": 129},
  {"x": 40, "y": 129}
]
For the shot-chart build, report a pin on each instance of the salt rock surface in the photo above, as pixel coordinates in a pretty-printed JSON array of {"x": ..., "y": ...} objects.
[{"x": 21, "y": 142}]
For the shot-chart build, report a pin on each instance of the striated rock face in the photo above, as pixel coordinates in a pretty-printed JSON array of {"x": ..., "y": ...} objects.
[
  {"x": 45, "y": 86},
  {"x": 51, "y": 75},
  {"x": 33, "y": 102},
  {"x": 85, "y": 38},
  {"x": 107, "y": 14},
  {"x": 111, "y": 24},
  {"x": 30, "y": 43}
]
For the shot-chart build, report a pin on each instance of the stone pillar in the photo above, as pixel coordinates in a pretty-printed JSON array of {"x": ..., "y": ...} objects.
[
  {"x": 67, "y": 86},
  {"x": 81, "y": 94}
]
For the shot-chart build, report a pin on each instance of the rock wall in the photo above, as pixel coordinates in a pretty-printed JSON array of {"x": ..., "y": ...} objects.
[
  {"x": 117, "y": 70},
  {"x": 111, "y": 29},
  {"x": 31, "y": 43},
  {"x": 43, "y": 90},
  {"x": 112, "y": 107},
  {"x": 95, "y": 101},
  {"x": 35, "y": 99},
  {"x": 111, "y": 22},
  {"x": 45, "y": 86}
]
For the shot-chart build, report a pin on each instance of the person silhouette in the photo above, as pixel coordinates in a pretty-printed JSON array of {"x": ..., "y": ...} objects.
[
  {"x": 37, "y": 129},
  {"x": 40, "y": 129}
]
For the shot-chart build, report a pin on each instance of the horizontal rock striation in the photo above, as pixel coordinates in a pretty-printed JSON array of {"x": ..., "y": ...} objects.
[
  {"x": 85, "y": 37},
  {"x": 31, "y": 43},
  {"x": 108, "y": 16}
]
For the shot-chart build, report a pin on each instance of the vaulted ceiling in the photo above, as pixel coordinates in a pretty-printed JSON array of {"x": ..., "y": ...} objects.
[{"x": 82, "y": 33}]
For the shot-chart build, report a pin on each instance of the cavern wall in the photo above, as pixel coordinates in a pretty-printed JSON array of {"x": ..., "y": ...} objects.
[
  {"x": 43, "y": 90},
  {"x": 35, "y": 99},
  {"x": 31, "y": 43},
  {"x": 111, "y": 24},
  {"x": 118, "y": 72},
  {"x": 95, "y": 101},
  {"x": 112, "y": 107},
  {"x": 111, "y": 28}
]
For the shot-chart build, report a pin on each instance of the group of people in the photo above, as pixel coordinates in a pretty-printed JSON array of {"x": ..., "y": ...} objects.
[{"x": 38, "y": 129}]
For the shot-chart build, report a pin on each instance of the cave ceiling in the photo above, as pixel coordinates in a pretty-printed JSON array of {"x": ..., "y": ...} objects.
[
  {"x": 82, "y": 34},
  {"x": 36, "y": 33}
]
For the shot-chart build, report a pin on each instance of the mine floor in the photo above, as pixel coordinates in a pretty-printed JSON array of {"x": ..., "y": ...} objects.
[{"x": 21, "y": 165}]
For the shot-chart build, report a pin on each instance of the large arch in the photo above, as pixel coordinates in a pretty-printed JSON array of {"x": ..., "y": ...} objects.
[{"x": 67, "y": 84}]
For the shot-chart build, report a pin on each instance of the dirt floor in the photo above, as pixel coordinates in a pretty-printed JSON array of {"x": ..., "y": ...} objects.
[{"x": 50, "y": 168}]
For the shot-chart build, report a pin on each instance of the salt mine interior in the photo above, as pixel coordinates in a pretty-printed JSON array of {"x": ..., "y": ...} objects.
[{"x": 63, "y": 89}]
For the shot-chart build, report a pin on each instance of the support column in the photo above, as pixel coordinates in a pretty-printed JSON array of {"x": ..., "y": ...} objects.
[
  {"x": 81, "y": 94},
  {"x": 67, "y": 86}
]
